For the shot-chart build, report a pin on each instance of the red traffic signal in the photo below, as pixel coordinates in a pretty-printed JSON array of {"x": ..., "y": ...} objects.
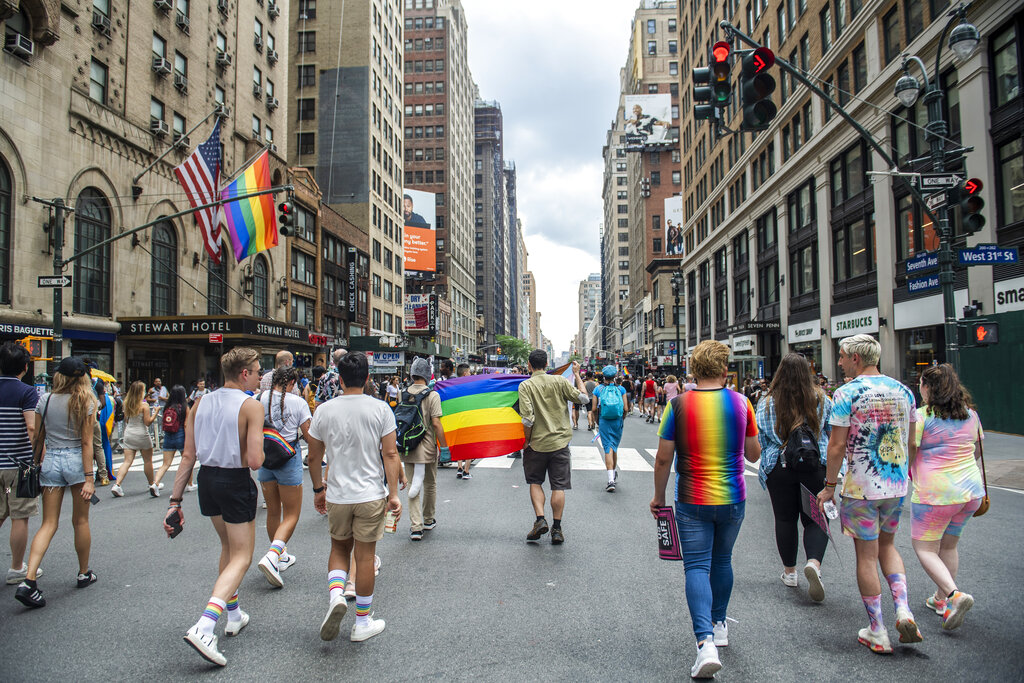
[
  {"x": 720, "y": 51},
  {"x": 971, "y": 205},
  {"x": 759, "y": 60},
  {"x": 973, "y": 186}
]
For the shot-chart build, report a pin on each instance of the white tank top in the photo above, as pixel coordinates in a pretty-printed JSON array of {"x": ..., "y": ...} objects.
[{"x": 216, "y": 428}]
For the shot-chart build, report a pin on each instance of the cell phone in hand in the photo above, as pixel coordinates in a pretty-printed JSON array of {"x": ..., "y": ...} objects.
[
  {"x": 95, "y": 499},
  {"x": 174, "y": 521}
]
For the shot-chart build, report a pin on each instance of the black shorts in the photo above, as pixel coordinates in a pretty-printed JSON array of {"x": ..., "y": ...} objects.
[
  {"x": 555, "y": 465},
  {"x": 227, "y": 492}
]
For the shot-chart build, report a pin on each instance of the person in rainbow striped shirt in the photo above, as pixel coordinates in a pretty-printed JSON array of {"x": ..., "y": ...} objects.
[{"x": 710, "y": 430}]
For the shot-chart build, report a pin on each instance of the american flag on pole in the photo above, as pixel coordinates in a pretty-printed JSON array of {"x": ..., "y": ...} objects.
[{"x": 199, "y": 174}]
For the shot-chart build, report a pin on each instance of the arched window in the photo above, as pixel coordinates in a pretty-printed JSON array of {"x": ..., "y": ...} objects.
[
  {"x": 260, "y": 285},
  {"x": 217, "y": 287},
  {"x": 92, "y": 271},
  {"x": 164, "y": 291},
  {"x": 5, "y": 234}
]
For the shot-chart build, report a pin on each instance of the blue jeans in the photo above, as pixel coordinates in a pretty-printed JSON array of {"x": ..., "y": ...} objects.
[{"x": 707, "y": 534}]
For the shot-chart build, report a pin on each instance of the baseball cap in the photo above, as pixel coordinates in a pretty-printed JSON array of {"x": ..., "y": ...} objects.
[
  {"x": 72, "y": 367},
  {"x": 609, "y": 371}
]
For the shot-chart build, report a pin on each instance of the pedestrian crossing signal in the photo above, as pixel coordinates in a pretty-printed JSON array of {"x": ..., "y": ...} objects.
[
  {"x": 986, "y": 334},
  {"x": 34, "y": 346}
]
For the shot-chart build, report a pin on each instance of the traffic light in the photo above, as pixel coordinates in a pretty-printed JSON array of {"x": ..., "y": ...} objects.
[
  {"x": 499, "y": 350},
  {"x": 721, "y": 66},
  {"x": 756, "y": 87},
  {"x": 986, "y": 333},
  {"x": 702, "y": 93},
  {"x": 34, "y": 346},
  {"x": 971, "y": 205},
  {"x": 286, "y": 218}
]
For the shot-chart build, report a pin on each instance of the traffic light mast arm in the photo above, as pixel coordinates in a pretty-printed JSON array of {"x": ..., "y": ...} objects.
[
  {"x": 733, "y": 32},
  {"x": 144, "y": 226}
]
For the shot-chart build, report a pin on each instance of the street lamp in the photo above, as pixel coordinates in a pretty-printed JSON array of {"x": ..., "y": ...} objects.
[
  {"x": 677, "y": 288},
  {"x": 963, "y": 40}
]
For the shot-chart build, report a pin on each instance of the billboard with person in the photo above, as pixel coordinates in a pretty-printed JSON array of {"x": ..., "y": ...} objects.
[
  {"x": 418, "y": 240},
  {"x": 673, "y": 226},
  {"x": 647, "y": 120}
]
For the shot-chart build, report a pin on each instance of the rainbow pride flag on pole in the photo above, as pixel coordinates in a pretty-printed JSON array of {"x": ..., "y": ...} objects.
[
  {"x": 478, "y": 415},
  {"x": 252, "y": 224}
]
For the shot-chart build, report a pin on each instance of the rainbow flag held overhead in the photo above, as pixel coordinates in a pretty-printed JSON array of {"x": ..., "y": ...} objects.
[
  {"x": 252, "y": 224},
  {"x": 478, "y": 415}
]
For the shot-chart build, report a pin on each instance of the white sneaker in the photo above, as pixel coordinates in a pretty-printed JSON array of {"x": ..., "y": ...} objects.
[
  {"x": 205, "y": 645},
  {"x": 285, "y": 561},
  {"x": 372, "y": 628},
  {"x": 815, "y": 587},
  {"x": 235, "y": 627},
  {"x": 789, "y": 579},
  {"x": 190, "y": 488},
  {"x": 721, "y": 631},
  {"x": 905, "y": 624},
  {"x": 707, "y": 663},
  {"x": 878, "y": 641},
  {"x": 154, "y": 490},
  {"x": 117, "y": 491},
  {"x": 16, "y": 576},
  {"x": 160, "y": 486},
  {"x": 332, "y": 621},
  {"x": 266, "y": 566}
]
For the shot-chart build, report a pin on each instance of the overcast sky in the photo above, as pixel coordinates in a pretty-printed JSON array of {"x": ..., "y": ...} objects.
[{"x": 554, "y": 67}]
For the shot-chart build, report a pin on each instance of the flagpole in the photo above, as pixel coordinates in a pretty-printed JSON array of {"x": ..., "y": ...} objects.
[{"x": 136, "y": 188}]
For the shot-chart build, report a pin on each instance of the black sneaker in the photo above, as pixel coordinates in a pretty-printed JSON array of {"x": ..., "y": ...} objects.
[
  {"x": 610, "y": 487},
  {"x": 87, "y": 578},
  {"x": 540, "y": 527},
  {"x": 29, "y": 596},
  {"x": 415, "y": 535},
  {"x": 556, "y": 536},
  {"x": 429, "y": 524},
  {"x": 458, "y": 475}
]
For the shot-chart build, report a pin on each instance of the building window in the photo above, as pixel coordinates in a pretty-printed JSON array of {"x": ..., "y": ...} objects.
[
  {"x": 843, "y": 83},
  {"x": 652, "y": 26},
  {"x": 306, "y": 143},
  {"x": 306, "y": 109},
  {"x": 6, "y": 192},
  {"x": 652, "y": 47},
  {"x": 825, "y": 28},
  {"x": 92, "y": 271},
  {"x": 307, "y": 41},
  {"x": 307, "y": 76},
  {"x": 840, "y": 12},
  {"x": 217, "y": 287},
  {"x": 767, "y": 231},
  {"x": 307, "y": 9},
  {"x": 164, "y": 268},
  {"x": 848, "y": 173},
  {"x": 303, "y": 268},
  {"x": 260, "y": 286},
  {"x": 673, "y": 47},
  {"x": 803, "y": 269},
  {"x": 853, "y": 248},
  {"x": 375, "y": 320},
  {"x": 768, "y": 284},
  {"x": 860, "y": 68},
  {"x": 159, "y": 46},
  {"x": 1005, "y": 66},
  {"x": 1010, "y": 171},
  {"x": 891, "y": 34},
  {"x": 98, "y": 81},
  {"x": 156, "y": 109},
  {"x": 783, "y": 26},
  {"x": 913, "y": 17},
  {"x": 303, "y": 311},
  {"x": 741, "y": 295}
]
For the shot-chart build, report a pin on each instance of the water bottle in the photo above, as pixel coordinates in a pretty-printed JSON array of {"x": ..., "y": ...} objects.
[{"x": 831, "y": 511}]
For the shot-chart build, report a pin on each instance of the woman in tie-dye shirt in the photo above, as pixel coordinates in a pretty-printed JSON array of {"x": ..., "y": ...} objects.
[{"x": 948, "y": 487}]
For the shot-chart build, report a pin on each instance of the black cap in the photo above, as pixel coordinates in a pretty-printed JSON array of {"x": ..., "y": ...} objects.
[{"x": 72, "y": 367}]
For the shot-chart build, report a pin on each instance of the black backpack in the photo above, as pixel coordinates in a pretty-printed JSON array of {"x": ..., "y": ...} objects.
[
  {"x": 801, "y": 453},
  {"x": 409, "y": 419}
]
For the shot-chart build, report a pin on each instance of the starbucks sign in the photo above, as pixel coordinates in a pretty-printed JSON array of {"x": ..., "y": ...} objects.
[{"x": 859, "y": 322}]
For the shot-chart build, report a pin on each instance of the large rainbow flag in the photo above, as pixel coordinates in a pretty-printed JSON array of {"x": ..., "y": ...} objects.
[
  {"x": 478, "y": 416},
  {"x": 252, "y": 224}
]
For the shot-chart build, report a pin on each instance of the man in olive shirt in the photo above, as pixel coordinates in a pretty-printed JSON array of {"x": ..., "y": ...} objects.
[{"x": 542, "y": 404}]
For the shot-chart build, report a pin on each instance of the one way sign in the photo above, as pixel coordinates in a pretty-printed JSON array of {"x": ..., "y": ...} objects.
[
  {"x": 54, "y": 281},
  {"x": 931, "y": 182}
]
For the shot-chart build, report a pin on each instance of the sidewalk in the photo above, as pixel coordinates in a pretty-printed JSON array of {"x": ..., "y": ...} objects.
[{"x": 1004, "y": 460}]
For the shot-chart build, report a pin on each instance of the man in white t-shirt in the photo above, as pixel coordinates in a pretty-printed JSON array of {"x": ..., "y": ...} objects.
[{"x": 357, "y": 432}]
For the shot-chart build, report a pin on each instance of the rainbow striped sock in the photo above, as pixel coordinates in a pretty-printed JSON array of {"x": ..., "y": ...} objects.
[
  {"x": 234, "y": 614},
  {"x": 275, "y": 552},
  {"x": 363, "y": 603},
  {"x": 336, "y": 582},
  {"x": 214, "y": 608}
]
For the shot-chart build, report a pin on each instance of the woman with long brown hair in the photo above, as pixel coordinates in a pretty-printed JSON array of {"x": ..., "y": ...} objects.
[
  {"x": 138, "y": 416},
  {"x": 792, "y": 420},
  {"x": 68, "y": 413},
  {"x": 948, "y": 487}
]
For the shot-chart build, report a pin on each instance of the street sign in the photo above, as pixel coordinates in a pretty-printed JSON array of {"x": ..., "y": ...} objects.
[
  {"x": 987, "y": 255},
  {"x": 925, "y": 261},
  {"x": 923, "y": 284},
  {"x": 936, "y": 201},
  {"x": 216, "y": 338},
  {"x": 54, "y": 281},
  {"x": 940, "y": 180}
]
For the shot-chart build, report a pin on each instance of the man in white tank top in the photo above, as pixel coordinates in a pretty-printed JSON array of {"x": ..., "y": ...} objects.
[{"x": 224, "y": 431}]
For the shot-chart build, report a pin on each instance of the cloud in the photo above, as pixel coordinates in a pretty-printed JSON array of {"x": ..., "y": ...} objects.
[{"x": 554, "y": 68}]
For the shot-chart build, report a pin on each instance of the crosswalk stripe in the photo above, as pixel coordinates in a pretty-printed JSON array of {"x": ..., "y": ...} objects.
[
  {"x": 630, "y": 460},
  {"x": 653, "y": 452},
  {"x": 499, "y": 463},
  {"x": 586, "y": 458}
]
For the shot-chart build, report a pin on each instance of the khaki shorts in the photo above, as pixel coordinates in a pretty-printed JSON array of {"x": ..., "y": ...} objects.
[
  {"x": 363, "y": 521},
  {"x": 10, "y": 505}
]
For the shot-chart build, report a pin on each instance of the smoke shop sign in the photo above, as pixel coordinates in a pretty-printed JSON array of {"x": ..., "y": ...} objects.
[
  {"x": 860, "y": 322},
  {"x": 188, "y": 327}
]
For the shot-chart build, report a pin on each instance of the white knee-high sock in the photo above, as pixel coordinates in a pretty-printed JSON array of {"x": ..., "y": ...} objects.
[{"x": 419, "y": 470}]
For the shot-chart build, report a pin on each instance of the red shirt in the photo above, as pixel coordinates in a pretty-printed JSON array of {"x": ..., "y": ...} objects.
[{"x": 649, "y": 389}]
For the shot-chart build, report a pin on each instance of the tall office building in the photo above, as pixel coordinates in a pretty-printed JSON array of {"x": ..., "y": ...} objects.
[
  {"x": 512, "y": 225},
  {"x": 346, "y": 82},
  {"x": 490, "y": 217},
  {"x": 589, "y": 305},
  {"x": 439, "y": 143}
]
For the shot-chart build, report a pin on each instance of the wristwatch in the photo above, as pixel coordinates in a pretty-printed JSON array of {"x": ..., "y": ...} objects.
[{"x": 321, "y": 489}]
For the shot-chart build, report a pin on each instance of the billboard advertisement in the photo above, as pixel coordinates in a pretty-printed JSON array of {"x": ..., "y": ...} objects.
[
  {"x": 647, "y": 120},
  {"x": 418, "y": 241},
  {"x": 420, "y": 313},
  {"x": 674, "y": 226}
]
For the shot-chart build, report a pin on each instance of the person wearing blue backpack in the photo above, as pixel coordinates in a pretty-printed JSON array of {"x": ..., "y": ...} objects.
[{"x": 610, "y": 405}]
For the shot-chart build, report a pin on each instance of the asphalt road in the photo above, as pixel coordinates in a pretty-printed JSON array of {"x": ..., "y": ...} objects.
[{"x": 473, "y": 601}]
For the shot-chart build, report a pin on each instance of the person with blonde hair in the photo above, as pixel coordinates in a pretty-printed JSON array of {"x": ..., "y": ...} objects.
[
  {"x": 710, "y": 430},
  {"x": 64, "y": 420},
  {"x": 871, "y": 426},
  {"x": 948, "y": 486},
  {"x": 138, "y": 416}
]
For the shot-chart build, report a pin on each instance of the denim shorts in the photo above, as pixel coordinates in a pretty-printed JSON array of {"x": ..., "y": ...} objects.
[
  {"x": 174, "y": 441},
  {"x": 61, "y": 467},
  {"x": 289, "y": 475}
]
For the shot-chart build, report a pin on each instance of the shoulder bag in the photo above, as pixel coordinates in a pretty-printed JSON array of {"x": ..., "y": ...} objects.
[
  {"x": 28, "y": 474},
  {"x": 984, "y": 501},
  {"x": 276, "y": 451}
]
